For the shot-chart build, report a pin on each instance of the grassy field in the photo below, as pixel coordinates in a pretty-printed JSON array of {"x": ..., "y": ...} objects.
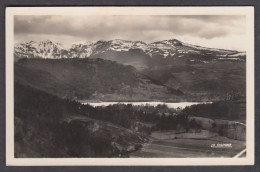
[{"x": 188, "y": 145}]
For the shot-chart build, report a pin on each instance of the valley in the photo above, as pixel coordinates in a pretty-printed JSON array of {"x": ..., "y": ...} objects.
[
  {"x": 122, "y": 98},
  {"x": 120, "y": 130}
]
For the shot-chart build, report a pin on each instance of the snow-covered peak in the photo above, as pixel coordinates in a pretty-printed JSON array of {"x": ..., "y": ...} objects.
[
  {"x": 168, "y": 42},
  {"x": 41, "y": 49},
  {"x": 48, "y": 45},
  {"x": 80, "y": 44},
  {"x": 171, "y": 48}
]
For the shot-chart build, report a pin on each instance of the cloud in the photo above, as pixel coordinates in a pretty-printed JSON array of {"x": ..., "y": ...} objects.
[{"x": 145, "y": 28}]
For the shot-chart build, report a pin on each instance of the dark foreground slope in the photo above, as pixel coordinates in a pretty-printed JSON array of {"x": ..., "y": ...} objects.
[
  {"x": 46, "y": 126},
  {"x": 94, "y": 79}
]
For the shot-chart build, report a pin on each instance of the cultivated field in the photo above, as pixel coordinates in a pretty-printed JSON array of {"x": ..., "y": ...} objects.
[{"x": 188, "y": 145}]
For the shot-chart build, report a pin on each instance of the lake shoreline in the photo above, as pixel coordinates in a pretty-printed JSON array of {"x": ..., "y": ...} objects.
[
  {"x": 131, "y": 101},
  {"x": 169, "y": 105}
]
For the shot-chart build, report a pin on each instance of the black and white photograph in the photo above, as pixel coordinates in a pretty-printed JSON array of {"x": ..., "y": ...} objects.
[{"x": 130, "y": 85}]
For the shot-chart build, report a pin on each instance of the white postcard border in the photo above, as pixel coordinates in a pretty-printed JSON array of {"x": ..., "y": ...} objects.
[{"x": 250, "y": 143}]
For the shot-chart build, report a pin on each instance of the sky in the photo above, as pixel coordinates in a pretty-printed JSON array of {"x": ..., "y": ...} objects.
[{"x": 214, "y": 31}]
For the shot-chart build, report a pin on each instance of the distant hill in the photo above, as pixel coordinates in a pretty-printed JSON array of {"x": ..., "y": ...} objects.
[
  {"x": 217, "y": 80},
  {"x": 94, "y": 79}
]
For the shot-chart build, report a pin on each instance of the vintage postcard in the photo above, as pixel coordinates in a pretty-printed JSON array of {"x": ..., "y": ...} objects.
[{"x": 129, "y": 86}]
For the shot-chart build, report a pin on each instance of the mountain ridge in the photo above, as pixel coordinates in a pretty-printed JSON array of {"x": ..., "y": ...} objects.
[{"x": 166, "y": 49}]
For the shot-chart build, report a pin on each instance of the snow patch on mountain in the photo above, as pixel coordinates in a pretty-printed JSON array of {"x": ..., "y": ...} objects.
[{"x": 165, "y": 49}]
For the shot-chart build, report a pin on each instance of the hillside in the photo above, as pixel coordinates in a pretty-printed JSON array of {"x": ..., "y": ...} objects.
[
  {"x": 213, "y": 81},
  {"x": 94, "y": 79},
  {"x": 46, "y": 126}
]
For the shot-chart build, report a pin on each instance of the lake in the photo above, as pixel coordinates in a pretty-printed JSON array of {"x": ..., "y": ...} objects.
[{"x": 169, "y": 105}]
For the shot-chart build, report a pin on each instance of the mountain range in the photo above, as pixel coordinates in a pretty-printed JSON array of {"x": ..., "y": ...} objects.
[
  {"x": 167, "y": 49},
  {"x": 120, "y": 70}
]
